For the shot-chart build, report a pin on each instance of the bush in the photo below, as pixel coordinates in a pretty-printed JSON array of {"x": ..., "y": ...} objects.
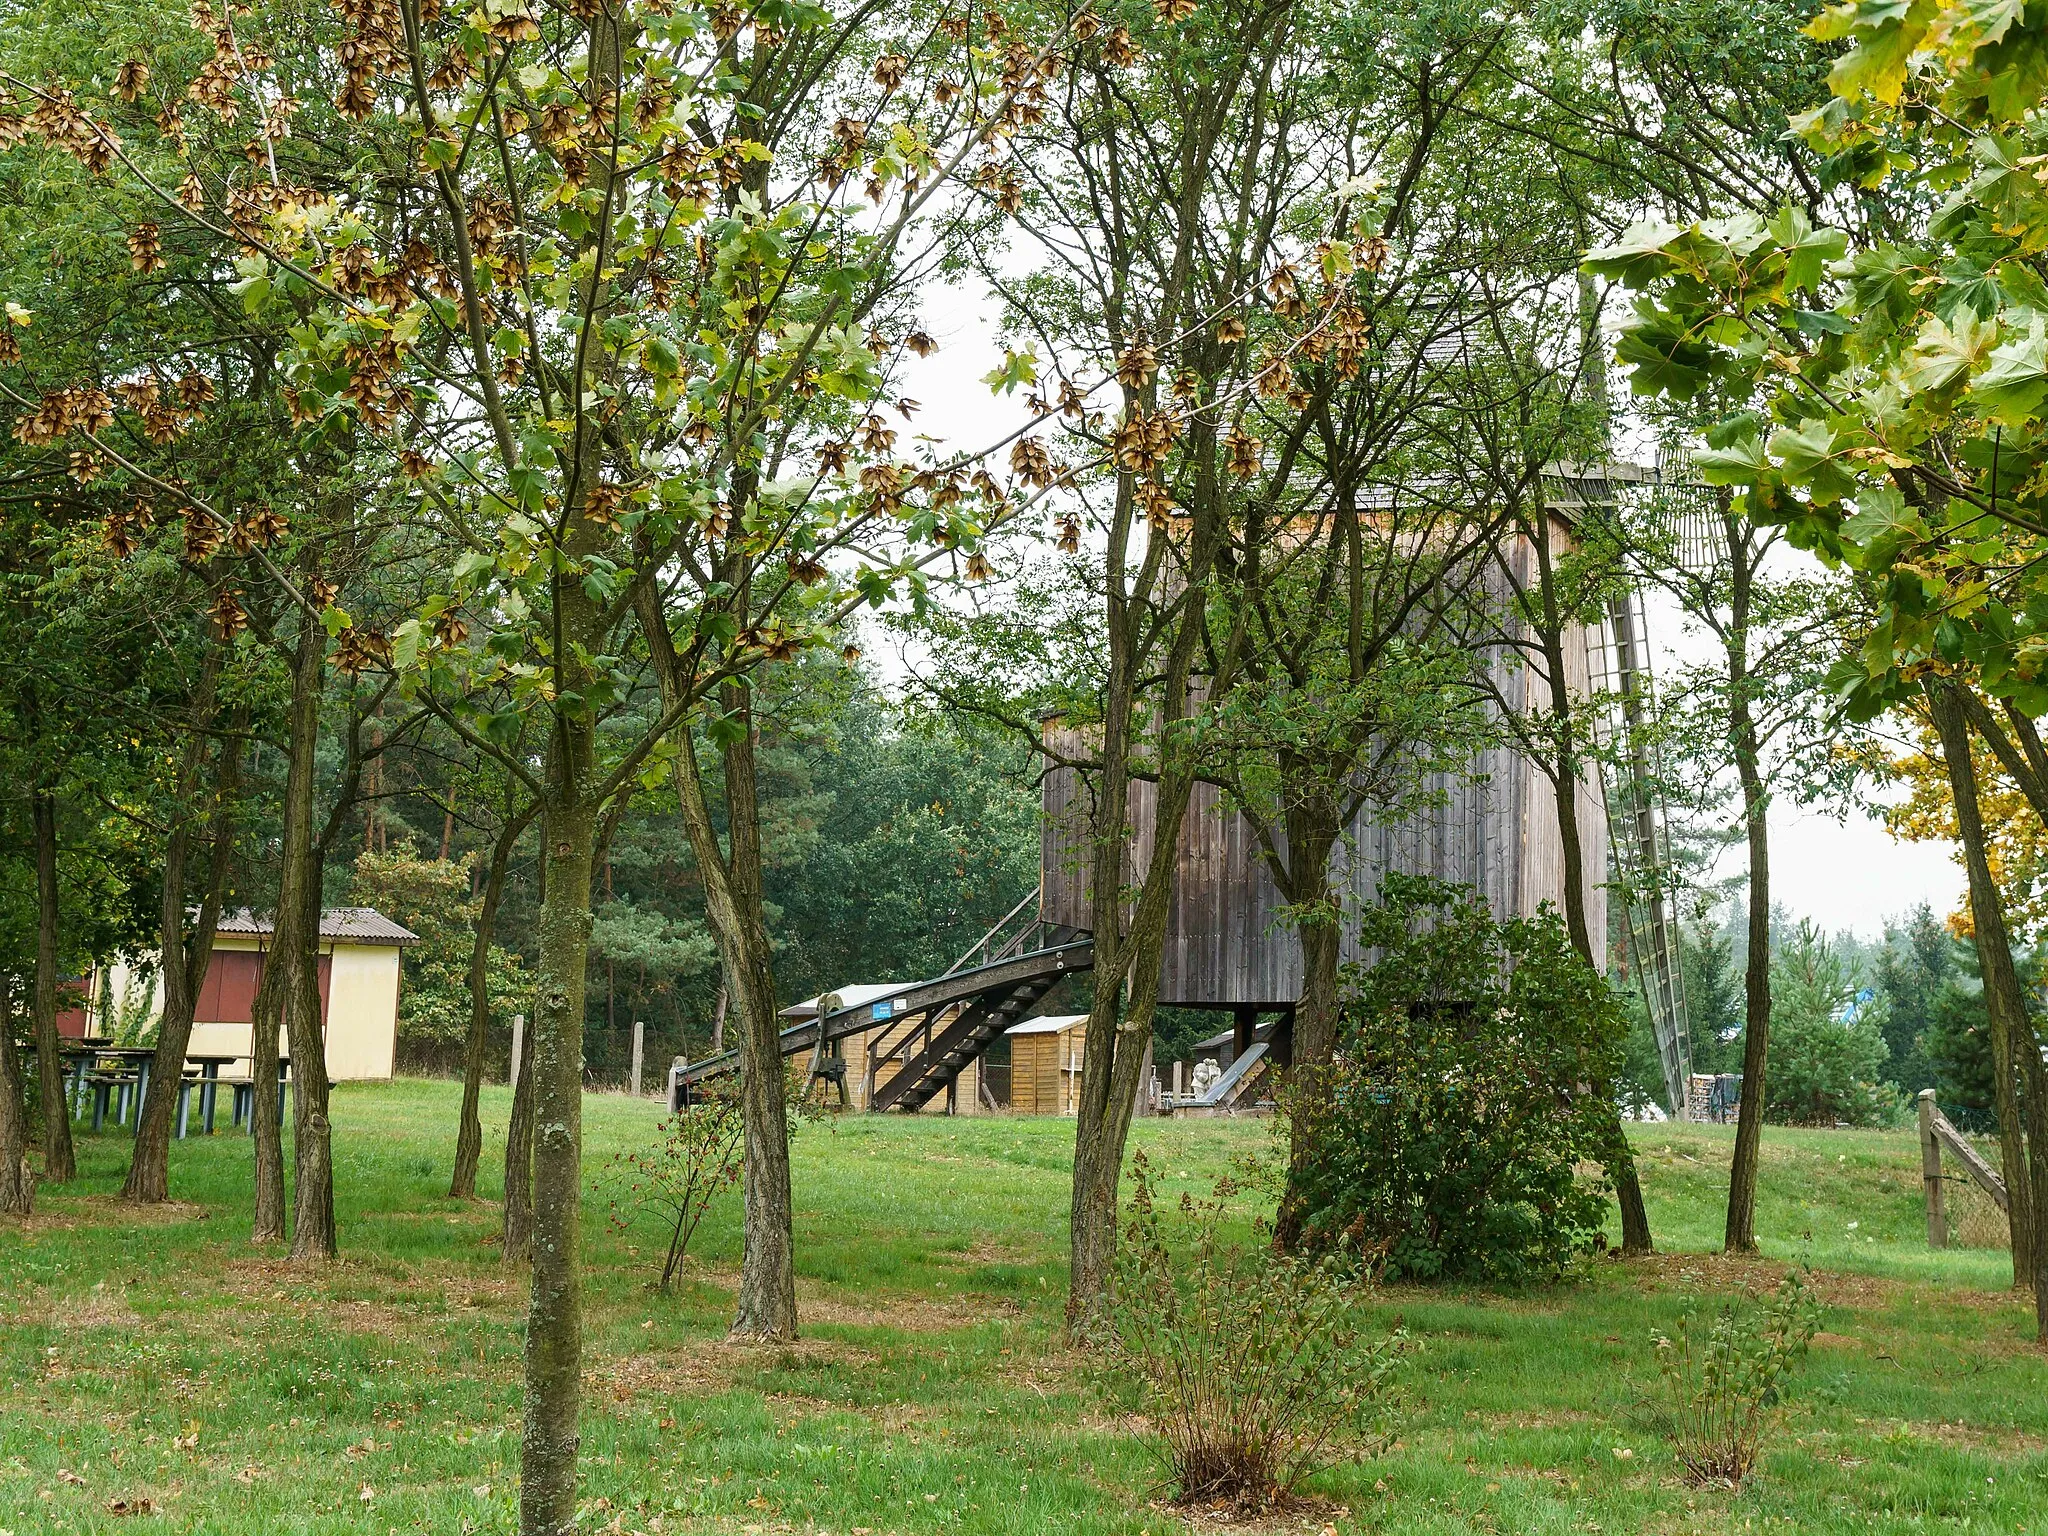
[
  {"x": 1251, "y": 1370},
  {"x": 1723, "y": 1383},
  {"x": 698, "y": 1158},
  {"x": 1445, "y": 1138}
]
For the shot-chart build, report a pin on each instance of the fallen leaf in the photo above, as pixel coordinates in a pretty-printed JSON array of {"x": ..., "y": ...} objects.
[
  {"x": 66, "y": 1475},
  {"x": 130, "y": 1507},
  {"x": 367, "y": 1494}
]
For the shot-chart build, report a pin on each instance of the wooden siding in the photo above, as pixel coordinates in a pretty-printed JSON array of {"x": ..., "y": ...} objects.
[{"x": 1494, "y": 828}]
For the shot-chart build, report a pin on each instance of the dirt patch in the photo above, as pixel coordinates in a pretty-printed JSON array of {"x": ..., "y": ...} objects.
[
  {"x": 908, "y": 1314},
  {"x": 1731, "y": 1273},
  {"x": 1295, "y": 1514},
  {"x": 714, "y": 1365},
  {"x": 100, "y": 1307},
  {"x": 108, "y": 1210}
]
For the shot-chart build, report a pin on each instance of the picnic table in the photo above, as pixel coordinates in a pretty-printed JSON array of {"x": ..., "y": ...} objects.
[{"x": 127, "y": 1083}]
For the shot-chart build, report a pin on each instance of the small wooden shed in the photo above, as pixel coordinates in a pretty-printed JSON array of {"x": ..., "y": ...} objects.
[{"x": 1045, "y": 1064}]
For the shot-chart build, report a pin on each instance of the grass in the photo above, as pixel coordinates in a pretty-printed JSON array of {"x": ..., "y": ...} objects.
[{"x": 161, "y": 1358}]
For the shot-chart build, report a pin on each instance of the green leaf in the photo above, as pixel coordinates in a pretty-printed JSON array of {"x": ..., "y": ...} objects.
[
  {"x": 1742, "y": 462},
  {"x": 2010, "y": 390},
  {"x": 1882, "y": 527},
  {"x": 1941, "y": 354},
  {"x": 1807, "y": 250},
  {"x": 1638, "y": 256}
]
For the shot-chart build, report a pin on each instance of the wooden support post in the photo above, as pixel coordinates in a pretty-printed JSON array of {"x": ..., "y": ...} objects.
[
  {"x": 518, "y": 1046},
  {"x": 1180, "y": 1079},
  {"x": 639, "y": 1052},
  {"x": 1930, "y": 1173},
  {"x": 1244, "y": 1023}
]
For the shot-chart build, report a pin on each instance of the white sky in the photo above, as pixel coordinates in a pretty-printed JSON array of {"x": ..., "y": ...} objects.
[{"x": 1846, "y": 875}]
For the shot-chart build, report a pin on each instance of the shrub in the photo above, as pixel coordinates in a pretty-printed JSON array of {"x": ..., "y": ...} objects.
[
  {"x": 1723, "y": 1381},
  {"x": 1252, "y": 1370},
  {"x": 1468, "y": 1088},
  {"x": 698, "y": 1158}
]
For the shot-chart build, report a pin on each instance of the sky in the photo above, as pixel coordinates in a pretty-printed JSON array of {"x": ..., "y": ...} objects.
[{"x": 1847, "y": 875}]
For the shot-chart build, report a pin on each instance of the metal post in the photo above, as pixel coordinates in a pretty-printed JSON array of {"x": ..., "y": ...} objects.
[
  {"x": 1930, "y": 1173},
  {"x": 518, "y": 1044},
  {"x": 639, "y": 1052}
]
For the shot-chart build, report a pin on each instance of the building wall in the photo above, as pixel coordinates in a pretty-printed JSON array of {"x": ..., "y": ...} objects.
[
  {"x": 1044, "y": 1071},
  {"x": 359, "y": 997},
  {"x": 1494, "y": 827}
]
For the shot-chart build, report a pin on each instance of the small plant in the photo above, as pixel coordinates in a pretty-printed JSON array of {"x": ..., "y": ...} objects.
[
  {"x": 1251, "y": 1370},
  {"x": 699, "y": 1158},
  {"x": 1723, "y": 1380}
]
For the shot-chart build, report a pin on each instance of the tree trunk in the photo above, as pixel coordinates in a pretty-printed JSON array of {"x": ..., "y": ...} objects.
[
  {"x": 1309, "y": 842},
  {"x": 554, "y": 1329},
  {"x": 733, "y": 904},
  {"x": 1740, "y": 1235},
  {"x": 294, "y": 959},
  {"x": 17, "y": 1179},
  {"x": 469, "y": 1134},
  {"x": 266, "y": 1135},
  {"x": 58, "y": 1163},
  {"x": 185, "y": 956},
  {"x": 517, "y": 1241},
  {"x": 2014, "y": 1042}
]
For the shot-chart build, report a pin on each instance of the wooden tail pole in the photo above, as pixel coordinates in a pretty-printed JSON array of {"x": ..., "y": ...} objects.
[
  {"x": 639, "y": 1052},
  {"x": 518, "y": 1046},
  {"x": 1930, "y": 1172}
]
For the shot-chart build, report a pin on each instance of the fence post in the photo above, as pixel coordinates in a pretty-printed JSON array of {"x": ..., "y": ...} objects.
[
  {"x": 639, "y": 1052},
  {"x": 1930, "y": 1173},
  {"x": 518, "y": 1044}
]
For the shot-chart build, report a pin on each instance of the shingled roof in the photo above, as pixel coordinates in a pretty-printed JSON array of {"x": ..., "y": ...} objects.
[{"x": 344, "y": 925}]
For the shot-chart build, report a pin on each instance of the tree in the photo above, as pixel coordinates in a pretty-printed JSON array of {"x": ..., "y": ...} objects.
[
  {"x": 1915, "y": 973},
  {"x": 1903, "y": 390},
  {"x": 1829, "y": 1051}
]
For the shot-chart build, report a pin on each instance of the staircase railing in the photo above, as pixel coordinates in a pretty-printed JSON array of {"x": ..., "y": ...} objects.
[{"x": 992, "y": 946}]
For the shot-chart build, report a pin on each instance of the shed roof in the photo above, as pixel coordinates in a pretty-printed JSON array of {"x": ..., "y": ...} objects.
[
  {"x": 344, "y": 925},
  {"x": 1048, "y": 1024}
]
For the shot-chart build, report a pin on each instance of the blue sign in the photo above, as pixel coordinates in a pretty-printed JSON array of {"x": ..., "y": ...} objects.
[{"x": 882, "y": 1010}]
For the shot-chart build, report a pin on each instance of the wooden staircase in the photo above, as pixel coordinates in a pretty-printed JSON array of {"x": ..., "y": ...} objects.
[{"x": 936, "y": 1028}]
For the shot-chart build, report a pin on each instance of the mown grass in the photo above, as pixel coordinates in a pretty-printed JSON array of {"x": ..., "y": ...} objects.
[{"x": 163, "y": 1358}]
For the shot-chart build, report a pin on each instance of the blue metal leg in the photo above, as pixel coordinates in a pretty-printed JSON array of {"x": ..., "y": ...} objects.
[
  {"x": 99, "y": 1105},
  {"x": 209, "y": 1089},
  {"x": 184, "y": 1108}
]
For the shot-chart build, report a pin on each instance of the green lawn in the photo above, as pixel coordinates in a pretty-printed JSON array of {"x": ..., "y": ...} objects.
[{"x": 161, "y": 1358}]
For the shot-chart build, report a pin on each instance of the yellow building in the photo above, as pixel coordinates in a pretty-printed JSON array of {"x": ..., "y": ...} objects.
[{"x": 360, "y": 950}]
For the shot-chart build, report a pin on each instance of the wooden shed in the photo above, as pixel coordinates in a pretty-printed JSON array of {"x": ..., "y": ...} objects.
[
  {"x": 1045, "y": 1064},
  {"x": 359, "y": 973}
]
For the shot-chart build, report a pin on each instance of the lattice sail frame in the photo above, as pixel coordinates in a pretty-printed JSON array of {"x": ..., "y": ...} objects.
[{"x": 1639, "y": 838}]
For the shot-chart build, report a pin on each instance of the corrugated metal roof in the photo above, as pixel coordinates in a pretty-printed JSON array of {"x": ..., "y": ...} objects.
[{"x": 344, "y": 925}]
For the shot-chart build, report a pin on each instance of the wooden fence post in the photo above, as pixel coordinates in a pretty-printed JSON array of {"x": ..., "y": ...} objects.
[
  {"x": 639, "y": 1052},
  {"x": 1930, "y": 1173},
  {"x": 518, "y": 1046}
]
